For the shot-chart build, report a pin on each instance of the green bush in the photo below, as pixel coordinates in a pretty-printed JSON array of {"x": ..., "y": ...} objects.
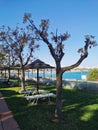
[{"x": 93, "y": 75}]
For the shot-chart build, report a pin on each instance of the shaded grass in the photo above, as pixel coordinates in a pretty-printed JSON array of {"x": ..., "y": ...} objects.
[{"x": 80, "y": 110}]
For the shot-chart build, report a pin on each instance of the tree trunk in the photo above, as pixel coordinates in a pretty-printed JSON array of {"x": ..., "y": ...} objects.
[
  {"x": 22, "y": 79},
  {"x": 9, "y": 74},
  {"x": 58, "y": 109},
  {"x": 37, "y": 79}
]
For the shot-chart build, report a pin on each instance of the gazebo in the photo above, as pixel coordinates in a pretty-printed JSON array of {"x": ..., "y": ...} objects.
[{"x": 38, "y": 64}]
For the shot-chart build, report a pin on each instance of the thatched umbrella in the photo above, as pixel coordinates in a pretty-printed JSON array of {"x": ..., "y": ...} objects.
[{"x": 38, "y": 64}]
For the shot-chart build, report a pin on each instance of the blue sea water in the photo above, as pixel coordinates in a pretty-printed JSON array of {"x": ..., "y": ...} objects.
[
  {"x": 76, "y": 75},
  {"x": 73, "y": 75}
]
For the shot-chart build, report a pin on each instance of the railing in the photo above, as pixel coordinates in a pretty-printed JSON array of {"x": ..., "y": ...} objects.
[{"x": 88, "y": 85}]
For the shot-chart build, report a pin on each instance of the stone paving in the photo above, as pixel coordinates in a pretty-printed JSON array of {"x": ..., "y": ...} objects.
[{"x": 7, "y": 122}]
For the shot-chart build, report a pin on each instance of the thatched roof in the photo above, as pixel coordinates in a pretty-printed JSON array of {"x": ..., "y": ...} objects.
[{"x": 38, "y": 64}]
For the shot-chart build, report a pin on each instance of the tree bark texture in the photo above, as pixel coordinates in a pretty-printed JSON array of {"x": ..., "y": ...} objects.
[
  {"x": 22, "y": 79},
  {"x": 58, "y": 109}
]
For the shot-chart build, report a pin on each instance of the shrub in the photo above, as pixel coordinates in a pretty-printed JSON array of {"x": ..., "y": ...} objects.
[{"x": 93, "y": 75}]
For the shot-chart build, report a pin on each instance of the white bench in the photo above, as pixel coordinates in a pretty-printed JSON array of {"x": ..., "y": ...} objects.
[
  {"x": 35, "y": 98},
  {"x": 28, "y": 92}
]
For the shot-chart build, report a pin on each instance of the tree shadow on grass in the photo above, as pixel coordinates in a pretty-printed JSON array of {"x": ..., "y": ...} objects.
[{"x": 80, "y": 108}]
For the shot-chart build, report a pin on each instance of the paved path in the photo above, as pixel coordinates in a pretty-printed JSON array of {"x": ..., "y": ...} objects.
[{"x": 7, "y": 122}]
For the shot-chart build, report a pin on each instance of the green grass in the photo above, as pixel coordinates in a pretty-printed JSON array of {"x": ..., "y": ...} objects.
[{"x": 80, "y": 109}]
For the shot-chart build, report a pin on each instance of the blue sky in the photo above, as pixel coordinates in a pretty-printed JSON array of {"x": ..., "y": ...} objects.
[{"x": 78, "y": 17}]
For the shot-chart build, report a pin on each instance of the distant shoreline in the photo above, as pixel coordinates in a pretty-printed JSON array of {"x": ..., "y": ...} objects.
[{"x": 70, "y": 75}]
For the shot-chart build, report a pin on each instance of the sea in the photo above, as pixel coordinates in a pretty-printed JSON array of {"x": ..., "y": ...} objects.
[{"x": 70, "y": 75}]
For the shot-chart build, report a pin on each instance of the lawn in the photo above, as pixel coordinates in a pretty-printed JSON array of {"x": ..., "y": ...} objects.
[{"x": 80, "y": 109}]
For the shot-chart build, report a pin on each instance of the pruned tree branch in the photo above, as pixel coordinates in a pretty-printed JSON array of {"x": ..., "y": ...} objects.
[{"x": 83, "y": 51}]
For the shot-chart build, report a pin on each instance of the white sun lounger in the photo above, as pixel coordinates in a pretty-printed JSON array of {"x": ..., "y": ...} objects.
[
  {"x": 28, "y": 92},
  {"x": 35, "y": 98}
]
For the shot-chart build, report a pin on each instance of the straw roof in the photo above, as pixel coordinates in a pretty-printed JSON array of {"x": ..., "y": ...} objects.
[{"x": 38, "y": 64}]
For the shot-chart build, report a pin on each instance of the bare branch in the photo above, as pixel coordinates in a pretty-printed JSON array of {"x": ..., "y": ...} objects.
[{"x": 83, "y": 52}]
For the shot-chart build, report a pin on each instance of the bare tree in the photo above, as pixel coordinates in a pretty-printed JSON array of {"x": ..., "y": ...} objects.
[
  {"x": 3, "y": 59},
  {"x": 2, "y": 55},
  {"x": 20, "y": 45},
  {"x": 56, "y": 48}
]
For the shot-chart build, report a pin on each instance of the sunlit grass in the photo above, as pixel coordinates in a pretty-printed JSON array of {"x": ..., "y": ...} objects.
[
  {"x": 70, "y": 107},
  {"x": 80, "y": 109},
  {"x": 88, "y": 112}
]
